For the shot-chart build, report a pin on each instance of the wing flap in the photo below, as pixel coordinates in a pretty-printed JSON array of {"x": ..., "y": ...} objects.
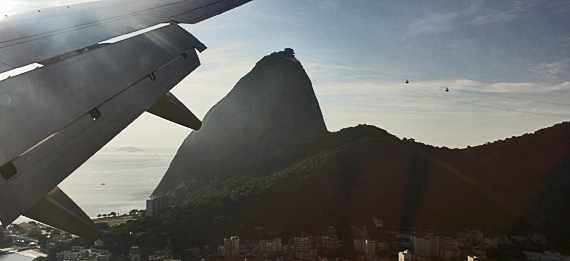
[
  {"x": 58, "y": 210},
  {"x": 44, "y": 166},
  {"x": 170, "y": 108}
]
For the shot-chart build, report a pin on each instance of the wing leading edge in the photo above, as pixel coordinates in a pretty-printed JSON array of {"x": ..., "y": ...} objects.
[
  {"x": 54, "y": 118},
  {"x": 33, "y": 37}
]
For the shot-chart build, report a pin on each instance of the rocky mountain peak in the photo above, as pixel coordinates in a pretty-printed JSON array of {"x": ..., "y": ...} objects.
[{"x": 269, "y": 120}]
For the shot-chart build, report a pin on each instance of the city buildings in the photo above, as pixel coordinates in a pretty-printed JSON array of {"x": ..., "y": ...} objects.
[
  {"x": 545, "y": 256},
  {"x": 155, "y": 205},
  {"x": 426, "y": 245},
  {"x": 79, "y": 253}
]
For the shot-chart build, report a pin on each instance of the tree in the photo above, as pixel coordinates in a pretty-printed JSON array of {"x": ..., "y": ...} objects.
[
  {"x": 54, "y": 232},
  {"x": 42, "y": 240},
  {"x": 98, "y": 215},
  {"x": 113, "y": 214},
  {"x": 104, "y": 226},
  {"x": 216, "y": 257}
]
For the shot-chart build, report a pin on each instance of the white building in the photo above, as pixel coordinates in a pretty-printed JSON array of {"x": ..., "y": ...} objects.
[
  {"x": 405, "y": 256},
  {"x": 79, "y": 253},
  {"x": 231, "y": 246},
  {"x": 278, "y": 244},
  {"x": 370, "y": 247},
  {"x": 155, "y": 205},
  {"x": 427, "y": 245}
]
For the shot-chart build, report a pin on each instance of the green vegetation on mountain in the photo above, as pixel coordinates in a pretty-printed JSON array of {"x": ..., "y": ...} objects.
[
  {"x": 372, "y": 173},
  {"x": 264, "y": 158}
]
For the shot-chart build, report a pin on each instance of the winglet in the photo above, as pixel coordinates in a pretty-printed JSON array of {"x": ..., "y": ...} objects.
[
  {"x": 170, "y": 108},
  {"x": 58, "y": 210}
]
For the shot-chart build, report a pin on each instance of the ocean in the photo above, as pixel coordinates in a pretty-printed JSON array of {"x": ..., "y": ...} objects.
[
  {"x": 113, "y": 181},
  {"x": 117, "y": 181}
]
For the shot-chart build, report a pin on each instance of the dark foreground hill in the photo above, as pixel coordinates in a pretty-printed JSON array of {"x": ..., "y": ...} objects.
[
  {"x": 411, "y": 186},
  {"x": 270, "y": 179}
]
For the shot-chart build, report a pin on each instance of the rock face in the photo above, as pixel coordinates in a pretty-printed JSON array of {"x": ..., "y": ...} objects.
[{"x": 269, "y": 120}]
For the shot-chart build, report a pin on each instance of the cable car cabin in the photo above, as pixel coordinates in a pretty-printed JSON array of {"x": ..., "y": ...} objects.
[
  {"x": 446, "y": 89},
  {"x": 407, "y": 81}
]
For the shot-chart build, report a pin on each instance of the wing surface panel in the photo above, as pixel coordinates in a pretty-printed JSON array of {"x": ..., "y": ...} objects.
[
  {"x": 43, "y": 167},
  {"x": 64, "y": 29},
  {"x": 91, "y": 78}
]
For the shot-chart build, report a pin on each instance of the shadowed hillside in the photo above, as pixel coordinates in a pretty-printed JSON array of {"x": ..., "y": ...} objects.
[{"x": 371, "y": 173}]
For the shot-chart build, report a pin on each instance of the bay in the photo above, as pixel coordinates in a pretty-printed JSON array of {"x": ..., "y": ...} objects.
[
  {"x": 112, "y": 181},
  {"x": 117, "y": 181}
]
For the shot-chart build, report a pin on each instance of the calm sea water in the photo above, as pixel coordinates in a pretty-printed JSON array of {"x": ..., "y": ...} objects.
[
  {"x": 113, "y": 181},
  {"x": 117, "y": 181}
]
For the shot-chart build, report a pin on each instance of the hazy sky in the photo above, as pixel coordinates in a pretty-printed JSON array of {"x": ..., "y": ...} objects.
[{"x": 506, "y": 64}]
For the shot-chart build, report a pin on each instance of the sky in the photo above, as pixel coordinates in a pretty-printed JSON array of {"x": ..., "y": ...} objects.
[{"x": 506, "y": 65}]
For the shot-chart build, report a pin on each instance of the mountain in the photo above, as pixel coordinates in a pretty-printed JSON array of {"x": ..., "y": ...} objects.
[
  {"x": 412, "y": 185},
  {"x": 265, "y": 159},
  {"x": 499, "y": 188},
  {"x": 516, "y": 186},
  {"x": 269, "y": 120}
]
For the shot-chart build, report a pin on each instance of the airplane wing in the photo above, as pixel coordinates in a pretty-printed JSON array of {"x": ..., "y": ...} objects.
[
  {"x": 54, "y": 118},
  {"x": 36, "y": 36}
]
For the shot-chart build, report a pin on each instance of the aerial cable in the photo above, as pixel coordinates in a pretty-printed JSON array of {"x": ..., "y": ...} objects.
[
  {"x": 356, "y": 77},
  {"x": 499, "y": 96},
  {"x": 442, "y": 98},
  {"x": 439, "y": 86},
  {"x": 346, "y": 65}
]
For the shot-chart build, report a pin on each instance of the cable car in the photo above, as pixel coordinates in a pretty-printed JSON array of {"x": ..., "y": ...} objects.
[
  {"x": 407, "y": 81},
  {"x": 446, "y": 89}
]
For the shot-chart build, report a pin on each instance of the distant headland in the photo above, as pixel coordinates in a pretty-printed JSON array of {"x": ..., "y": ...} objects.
[{"x": 130, "y": 149}]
